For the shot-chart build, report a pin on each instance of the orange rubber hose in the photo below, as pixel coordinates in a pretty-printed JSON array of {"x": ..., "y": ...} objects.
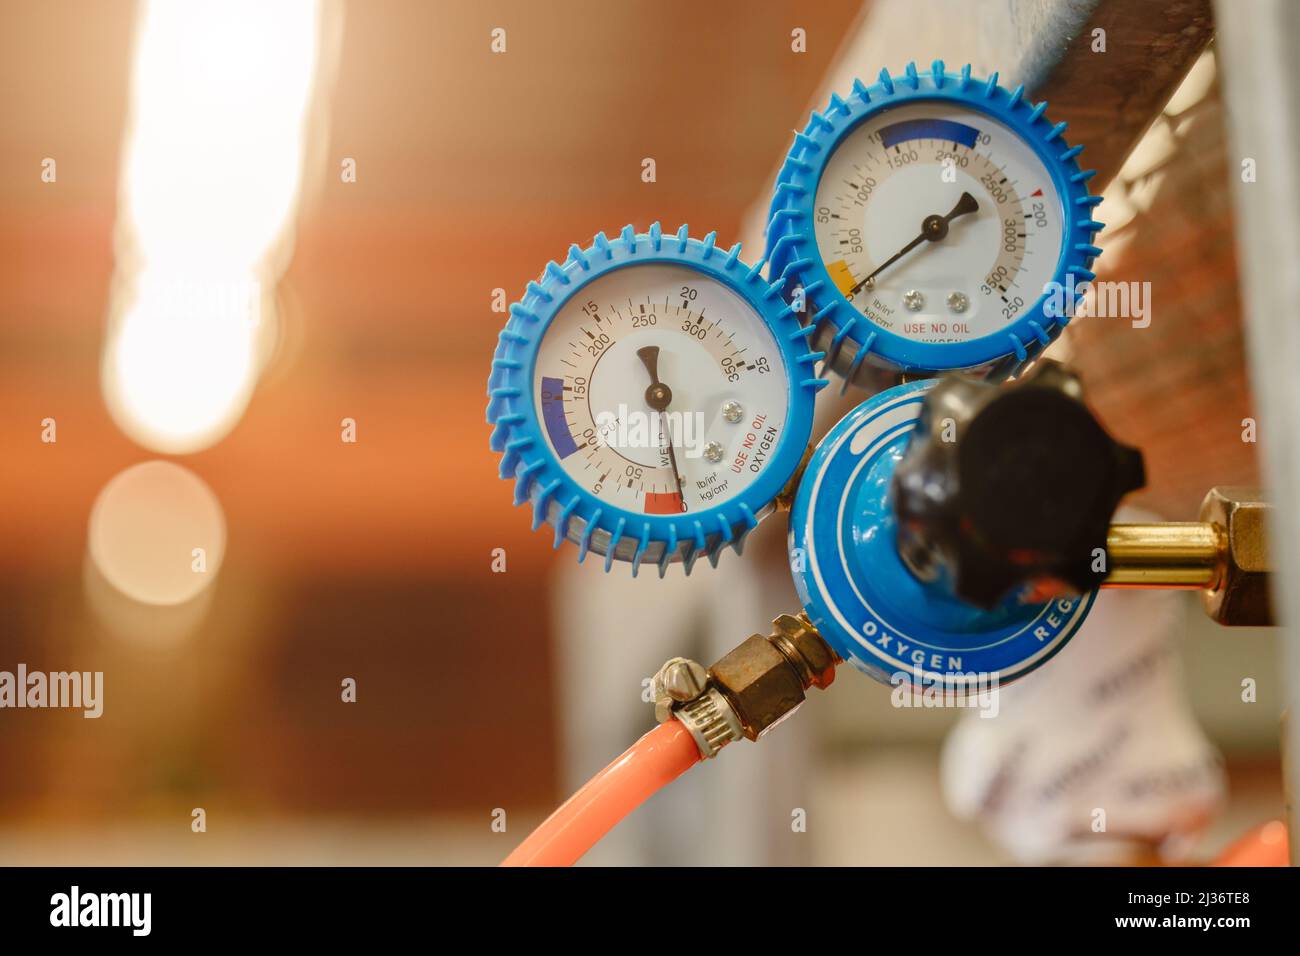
[
  {"x": 653, "y": 762},
  {"x": 1264, "y": 846}
]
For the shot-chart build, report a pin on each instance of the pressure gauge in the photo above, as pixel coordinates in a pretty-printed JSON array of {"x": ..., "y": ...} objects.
[
  {"x": 932, "y": 222},
  {"x": 652, "y": 396}
]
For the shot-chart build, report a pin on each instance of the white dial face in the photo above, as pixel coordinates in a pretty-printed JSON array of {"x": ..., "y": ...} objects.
[
  {"x": 937, "y": 222},
  {"x": 660, "y": 390}
]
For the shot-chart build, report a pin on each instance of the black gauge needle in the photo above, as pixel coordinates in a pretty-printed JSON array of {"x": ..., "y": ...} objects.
[
  {"x": 658, "y": 396},
  {"x": 933, "y": 228}
]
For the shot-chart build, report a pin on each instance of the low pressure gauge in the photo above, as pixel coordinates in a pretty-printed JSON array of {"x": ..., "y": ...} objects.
[
  {"x": 932, "y": 222},
  {"x": 652, "y": 396}
]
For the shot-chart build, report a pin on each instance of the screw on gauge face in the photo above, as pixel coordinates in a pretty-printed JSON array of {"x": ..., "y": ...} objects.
[
  {"x": 957, "y": 301},
  {"x": 914, "y": 300},
  {"x": 713, "y": 451},
  {"x": 733, "y": 412}
]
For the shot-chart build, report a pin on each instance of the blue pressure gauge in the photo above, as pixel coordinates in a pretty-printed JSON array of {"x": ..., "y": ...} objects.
[
  {"x": 930, "y": 222},
  {"x": 863, "y": 599},
  {"x": 651, "y": 397}
]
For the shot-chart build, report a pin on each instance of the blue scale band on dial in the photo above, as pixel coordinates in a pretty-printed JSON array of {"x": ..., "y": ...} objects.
[
  {"x": 794, "y": 259},
  {"x": 861, "y": 597},
  {"x": 531, "y": 450},
  {"x": 942, "y": 129},
  {"x": 557, "y": 429}
]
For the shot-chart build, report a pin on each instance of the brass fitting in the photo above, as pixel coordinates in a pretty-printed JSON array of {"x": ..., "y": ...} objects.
[
  {"x": 1224, "y": 555},
  {"x": 796, "y": 638},
  {"x": 784, "y": 500},
  {"x": 764, "y": 679},
  {"x": 1168, "y": 554},
  {"x": 752, "y": 688}
]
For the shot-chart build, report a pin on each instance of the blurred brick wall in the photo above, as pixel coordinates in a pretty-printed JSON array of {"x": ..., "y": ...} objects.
[{"x": 1178, "y": 389}]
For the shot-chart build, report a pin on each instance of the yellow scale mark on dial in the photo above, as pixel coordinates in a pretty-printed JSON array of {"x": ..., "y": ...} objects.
[{"x": 841, "y": 276}]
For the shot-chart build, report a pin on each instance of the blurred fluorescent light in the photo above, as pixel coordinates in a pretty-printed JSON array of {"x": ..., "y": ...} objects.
[{"x": 211, "y": 176}]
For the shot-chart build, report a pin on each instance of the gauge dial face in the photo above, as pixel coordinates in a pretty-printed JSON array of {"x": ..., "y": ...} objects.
[
  {"x": 937, "y": 222},
  {"x": 660, "y": 390}
]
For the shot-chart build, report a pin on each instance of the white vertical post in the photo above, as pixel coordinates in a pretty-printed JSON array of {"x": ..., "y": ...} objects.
[{"x": 1258, "y": 48}]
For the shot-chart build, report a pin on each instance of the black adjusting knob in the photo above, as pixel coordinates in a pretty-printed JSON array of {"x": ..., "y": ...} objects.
[{"x": 1010, "y": 487}]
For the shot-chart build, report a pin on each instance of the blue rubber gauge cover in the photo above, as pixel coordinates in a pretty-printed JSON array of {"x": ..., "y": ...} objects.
[
  {"x": 861, "y": 597},
  {"x": 651, "y": 397},
  {"x": 931, "y": 221}
]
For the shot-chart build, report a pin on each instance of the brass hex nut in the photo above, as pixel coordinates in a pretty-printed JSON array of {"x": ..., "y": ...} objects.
[
  {"x": 799, "y": 641},
  {"x": 1241, "y": 595},
  {"x": 759, "y": 682}
]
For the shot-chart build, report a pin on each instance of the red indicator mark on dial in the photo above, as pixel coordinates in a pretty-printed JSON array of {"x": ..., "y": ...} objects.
[{"x": 663, "y": 503}]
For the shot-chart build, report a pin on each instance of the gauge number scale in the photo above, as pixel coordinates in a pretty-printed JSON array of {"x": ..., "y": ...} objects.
[
  {"x": 660, "y": 390},
  {"x": 983, "y": 268}
]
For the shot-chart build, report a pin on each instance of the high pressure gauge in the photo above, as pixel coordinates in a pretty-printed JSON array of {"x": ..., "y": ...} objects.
[
  {"x": 932, "y": 222},
  {"x": 652, "y": 396}
]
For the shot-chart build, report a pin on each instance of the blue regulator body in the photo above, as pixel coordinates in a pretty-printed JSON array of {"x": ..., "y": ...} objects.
[{"x": 862, "y": 598}]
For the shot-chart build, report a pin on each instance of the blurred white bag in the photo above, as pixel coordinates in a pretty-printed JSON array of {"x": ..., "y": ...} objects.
[{"x": 1095, "y": 757}]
